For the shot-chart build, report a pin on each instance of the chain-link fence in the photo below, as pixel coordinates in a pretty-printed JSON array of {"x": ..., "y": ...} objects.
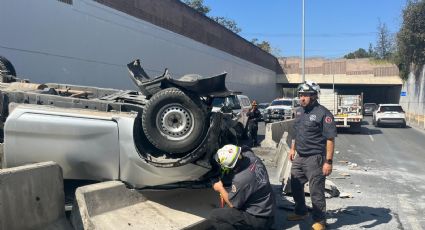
[{"x": 415, "y": 113}]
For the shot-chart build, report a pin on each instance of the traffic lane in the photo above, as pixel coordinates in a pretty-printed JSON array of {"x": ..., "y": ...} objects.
[
  {"x": 384, "y": 176},
  {"x": 390, "y": 146},
  {"x": 385, "y": 184}
]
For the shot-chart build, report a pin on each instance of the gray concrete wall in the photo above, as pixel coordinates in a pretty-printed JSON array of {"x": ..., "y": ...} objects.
[
  {"x": 32, "y": 197},
  {"x": 176, "y": 16},
  {"x": 90, "y": 43},
  {"x": 414, "y": 102},
  {"x": 274, "y": 133},
  {"x": 1, "y": 155}
]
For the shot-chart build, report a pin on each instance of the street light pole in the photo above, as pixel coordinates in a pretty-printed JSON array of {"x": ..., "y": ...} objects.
[{"x": 303, "y": 46}]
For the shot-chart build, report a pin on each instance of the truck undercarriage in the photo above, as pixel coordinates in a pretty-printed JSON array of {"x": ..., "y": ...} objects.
[{"x": 166, "y": 129}]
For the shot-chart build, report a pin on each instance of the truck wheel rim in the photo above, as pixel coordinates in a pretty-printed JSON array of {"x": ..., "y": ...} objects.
[{"x": 175, "y": 122}]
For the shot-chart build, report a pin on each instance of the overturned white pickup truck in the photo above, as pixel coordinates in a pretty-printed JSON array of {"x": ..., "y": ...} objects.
[{"x": 163, "y": 134}]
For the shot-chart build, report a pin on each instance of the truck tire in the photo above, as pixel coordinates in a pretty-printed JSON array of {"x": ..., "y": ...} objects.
[
  {"x": 173, "y": 121},
  {"x": 6, "y": 68}
]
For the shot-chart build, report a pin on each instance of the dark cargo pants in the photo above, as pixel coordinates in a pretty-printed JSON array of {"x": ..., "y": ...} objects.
[
  {"x": 234, "y": 219},
  {"x": 309, "y": 168},
  {"x": 253, "y": 130}
]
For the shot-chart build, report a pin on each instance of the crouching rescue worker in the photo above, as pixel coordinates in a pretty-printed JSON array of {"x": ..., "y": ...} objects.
[
  {"x": 249, "y": 197},
  {"x": 315, "y": 133},
  {"x": 254, "y": 116}
]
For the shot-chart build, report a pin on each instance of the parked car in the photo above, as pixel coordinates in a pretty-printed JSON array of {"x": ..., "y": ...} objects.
[
  {"x": 369, "y": 108},
  {"x": 239, "y": 105},
  {"x": 280, "y": 109},
  {"x": 262, "y": 108},
  {"x": 391, "y": 114}
]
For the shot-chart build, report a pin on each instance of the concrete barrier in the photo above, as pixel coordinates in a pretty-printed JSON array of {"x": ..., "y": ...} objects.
[
  {"x": 110, "y": 205},
  {"x": 283, "y": 162},
  {"x": 274, "y": 132},
  {"x": 283, "y": 172},
  {"x": 32, "y": 197},
  {"x": 1, "y": 155}
]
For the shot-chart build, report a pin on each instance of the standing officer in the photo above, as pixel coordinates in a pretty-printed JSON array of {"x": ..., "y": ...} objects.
[
  {"x": 249, "y": 196},
  {"x": 254, "y": 116},
  {"x": 315, "y": 133}
]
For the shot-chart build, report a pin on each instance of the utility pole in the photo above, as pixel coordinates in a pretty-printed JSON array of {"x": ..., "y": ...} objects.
[
  {"x": 303, "y": 46},
  {"x": 333, "y": 76}
]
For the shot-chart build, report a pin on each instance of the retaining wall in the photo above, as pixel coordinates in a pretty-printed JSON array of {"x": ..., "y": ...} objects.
[{"x": 414, "y": 101}]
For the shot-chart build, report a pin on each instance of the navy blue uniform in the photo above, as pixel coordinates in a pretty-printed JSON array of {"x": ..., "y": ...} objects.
[
  {"x": 253, "y": 118},
  {"x": 314, "y": 125},
  {"x": 251, "y": 195}
]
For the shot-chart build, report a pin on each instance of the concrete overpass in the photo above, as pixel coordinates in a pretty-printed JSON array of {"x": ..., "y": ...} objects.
[{"x": 379, "y": 82}]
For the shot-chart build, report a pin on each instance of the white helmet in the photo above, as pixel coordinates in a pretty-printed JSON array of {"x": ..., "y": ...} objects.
[
  {"x": 309, "y": 87},
  {"x": 228, "y": 155}
]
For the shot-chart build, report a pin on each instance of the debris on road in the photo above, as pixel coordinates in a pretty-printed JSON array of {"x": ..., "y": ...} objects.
[
  {"x": 345, "y": 195},
  {"x": 344, "y": 174},
  {"x": 352, "y": 164}
]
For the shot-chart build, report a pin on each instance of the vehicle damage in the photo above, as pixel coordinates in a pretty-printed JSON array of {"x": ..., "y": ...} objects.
[{"x": 164, "y": 133}]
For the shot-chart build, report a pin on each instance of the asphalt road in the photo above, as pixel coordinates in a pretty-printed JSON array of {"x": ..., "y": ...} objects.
[{"x": 382, "y": 169}]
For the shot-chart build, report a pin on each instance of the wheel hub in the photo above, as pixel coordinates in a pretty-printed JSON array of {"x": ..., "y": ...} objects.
[{"x": 175, "y": 122}]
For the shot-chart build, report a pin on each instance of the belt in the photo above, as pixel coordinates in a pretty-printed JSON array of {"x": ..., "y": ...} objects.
[{"x": 308, "y": 155}]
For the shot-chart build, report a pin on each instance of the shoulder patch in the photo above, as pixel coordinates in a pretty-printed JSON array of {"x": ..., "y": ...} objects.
[
  {"x": 328, "y": 119},
  {"x": 234, "y": 189}
]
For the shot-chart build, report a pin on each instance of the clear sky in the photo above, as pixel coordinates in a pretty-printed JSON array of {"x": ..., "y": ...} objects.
[{"x": 333, "y": 28}]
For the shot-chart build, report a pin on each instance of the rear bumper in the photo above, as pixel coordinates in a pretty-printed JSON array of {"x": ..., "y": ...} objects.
[
  {"x": 367, "y": 113},
  {"x": 392, "y": 121},
  {"x": 346, "y": 122},
  {"x": 347, "y": 125}
]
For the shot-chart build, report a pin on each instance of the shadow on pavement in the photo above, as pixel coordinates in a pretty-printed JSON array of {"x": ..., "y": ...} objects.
[
  {"x": 284, "y": 207},
  {"x": 385, "y": 126},
  {"x": 355, "y": 215},
  {"x": 364, "y": 122},
  {"x": 364, "y": 131}
]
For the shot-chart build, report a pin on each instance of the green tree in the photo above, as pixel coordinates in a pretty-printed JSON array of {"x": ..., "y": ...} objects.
[
  {"x": 228, "y": 23},
  {"x": 411, "y": 39},
  {"x": 264, "y": 45},
  {"x": 360, "y": 53},
  {"x": 198, "y": 5},
  {"x": 371, "y": 51},
  {"x": 384, "y": 44}
]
